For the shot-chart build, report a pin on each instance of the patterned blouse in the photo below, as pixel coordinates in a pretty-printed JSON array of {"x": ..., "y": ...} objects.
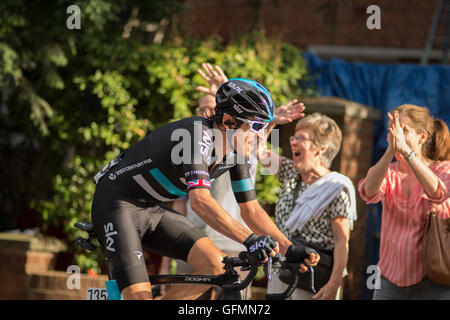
[{"x": 318, "y": 229}]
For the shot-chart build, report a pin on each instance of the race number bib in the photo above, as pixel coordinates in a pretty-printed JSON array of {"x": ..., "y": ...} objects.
[{"x": 97, "y": 294}]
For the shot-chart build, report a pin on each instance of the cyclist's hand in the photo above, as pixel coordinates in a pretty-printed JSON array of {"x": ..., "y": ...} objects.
[
  {"x": 302, "y": 254},
  {"x": 260, "y": 248}
]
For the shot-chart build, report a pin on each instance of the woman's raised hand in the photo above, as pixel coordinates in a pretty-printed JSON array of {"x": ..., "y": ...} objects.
[
  {"x": 396, "y": 136},
  {"x": 214, "y": 76},
  {"x": 289, "y": 112}
]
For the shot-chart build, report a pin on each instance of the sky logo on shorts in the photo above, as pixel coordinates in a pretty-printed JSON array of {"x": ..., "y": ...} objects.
[{"x": 109, "y": 232}]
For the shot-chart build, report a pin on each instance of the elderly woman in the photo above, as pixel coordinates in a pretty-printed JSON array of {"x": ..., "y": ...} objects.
[{"x": 315, "y": 206}]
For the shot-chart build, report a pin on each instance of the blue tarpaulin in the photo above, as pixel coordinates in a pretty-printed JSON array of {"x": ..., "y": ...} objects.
[{"x": 383, "y": 86}]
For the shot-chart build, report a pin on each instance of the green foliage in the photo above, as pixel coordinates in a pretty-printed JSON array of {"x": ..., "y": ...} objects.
[
  {"x": 90, "y": 94},
  {"x": 267, "y": 188},
  {"x": 113, "y": 128}
]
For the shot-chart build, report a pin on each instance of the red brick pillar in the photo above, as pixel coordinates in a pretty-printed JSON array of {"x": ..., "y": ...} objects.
[{"x": 19, "y": 256}]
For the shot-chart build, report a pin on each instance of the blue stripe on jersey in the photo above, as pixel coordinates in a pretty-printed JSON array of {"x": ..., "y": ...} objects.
[
  {"x": 165, "y": 182},
  {"x": 242, "y": 185}
]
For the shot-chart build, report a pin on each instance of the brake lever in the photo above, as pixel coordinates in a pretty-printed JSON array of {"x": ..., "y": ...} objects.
[
  {"x": 312, "y": 279},
  {"x": 269, "y": 269},
  {"x": 274, "y": 261},
  {"x": 308, "y": 252},
  {"x": 243, "y": 256}
]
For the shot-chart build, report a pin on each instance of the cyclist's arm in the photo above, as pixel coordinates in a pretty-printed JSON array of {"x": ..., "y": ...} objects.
[
  {"x": 260, "y": 223},
  {"x": 215, "y": 216}
]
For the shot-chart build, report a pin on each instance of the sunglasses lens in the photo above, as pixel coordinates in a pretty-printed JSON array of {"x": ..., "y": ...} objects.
[{"x": 257, "y": 126}]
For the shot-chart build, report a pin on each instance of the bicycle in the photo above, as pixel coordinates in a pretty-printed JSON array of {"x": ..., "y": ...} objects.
[{"x": 229, "y": 281}]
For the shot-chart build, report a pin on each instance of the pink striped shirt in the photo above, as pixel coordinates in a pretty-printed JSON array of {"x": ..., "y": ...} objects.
[{"x": 403, "y": 222}]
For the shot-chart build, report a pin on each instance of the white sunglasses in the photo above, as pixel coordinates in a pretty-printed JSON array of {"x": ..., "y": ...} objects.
[{"x": 256, "y": 126}]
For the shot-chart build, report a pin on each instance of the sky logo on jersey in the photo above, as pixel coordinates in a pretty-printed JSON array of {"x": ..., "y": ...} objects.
[
  {"x": 205, "y": 143},
  {"x": 199, "y": 183}
]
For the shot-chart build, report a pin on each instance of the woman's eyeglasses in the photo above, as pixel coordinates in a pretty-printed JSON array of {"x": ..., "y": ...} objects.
[
  {"x": 298, "y": 139},
  {"x": 255, "y": 126}
]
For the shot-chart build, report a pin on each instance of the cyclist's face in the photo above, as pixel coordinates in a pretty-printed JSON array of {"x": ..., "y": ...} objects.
[{"x": 244, "y": 140}]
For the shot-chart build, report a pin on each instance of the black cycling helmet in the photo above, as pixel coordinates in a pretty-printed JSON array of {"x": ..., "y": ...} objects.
[{"x": 245, "y": 98}]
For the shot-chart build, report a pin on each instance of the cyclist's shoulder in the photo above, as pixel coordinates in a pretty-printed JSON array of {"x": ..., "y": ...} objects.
[
  {"x": 186, "y": 123},
  {"x": 190, "y": 122}
]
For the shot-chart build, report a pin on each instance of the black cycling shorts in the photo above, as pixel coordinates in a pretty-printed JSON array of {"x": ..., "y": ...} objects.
[{"x": 124, "y": 227}]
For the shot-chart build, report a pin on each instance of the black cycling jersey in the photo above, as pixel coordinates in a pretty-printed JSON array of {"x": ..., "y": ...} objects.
[{"x": 171, "y": 161}]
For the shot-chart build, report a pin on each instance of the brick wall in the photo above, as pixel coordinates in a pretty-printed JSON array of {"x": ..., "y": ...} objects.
[
  {"x": 404, "y": 23},
  {"x": 52, "y": 285},
  {"x": 26, "y": 265}
]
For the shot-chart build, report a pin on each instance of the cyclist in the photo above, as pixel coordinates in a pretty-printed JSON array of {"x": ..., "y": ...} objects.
[{"x": 181, "y": 157}]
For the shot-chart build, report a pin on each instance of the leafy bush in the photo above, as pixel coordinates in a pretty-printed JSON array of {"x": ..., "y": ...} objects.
[{"x": 93, "y": 93}]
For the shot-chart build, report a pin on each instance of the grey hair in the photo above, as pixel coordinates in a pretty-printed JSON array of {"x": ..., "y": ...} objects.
[{"x": 325, "y": 133}]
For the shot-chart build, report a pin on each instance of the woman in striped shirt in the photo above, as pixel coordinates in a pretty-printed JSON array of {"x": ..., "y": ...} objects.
[{"x": 407, "y": 187}]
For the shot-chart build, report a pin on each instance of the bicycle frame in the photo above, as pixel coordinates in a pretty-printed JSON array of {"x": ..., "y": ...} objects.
[{"x": 229, "y": 281}]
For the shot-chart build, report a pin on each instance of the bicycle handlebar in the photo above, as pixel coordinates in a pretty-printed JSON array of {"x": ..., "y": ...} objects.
[
  {"x": 278, "y": 260},
  {"x": 293, "y": 280}
]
